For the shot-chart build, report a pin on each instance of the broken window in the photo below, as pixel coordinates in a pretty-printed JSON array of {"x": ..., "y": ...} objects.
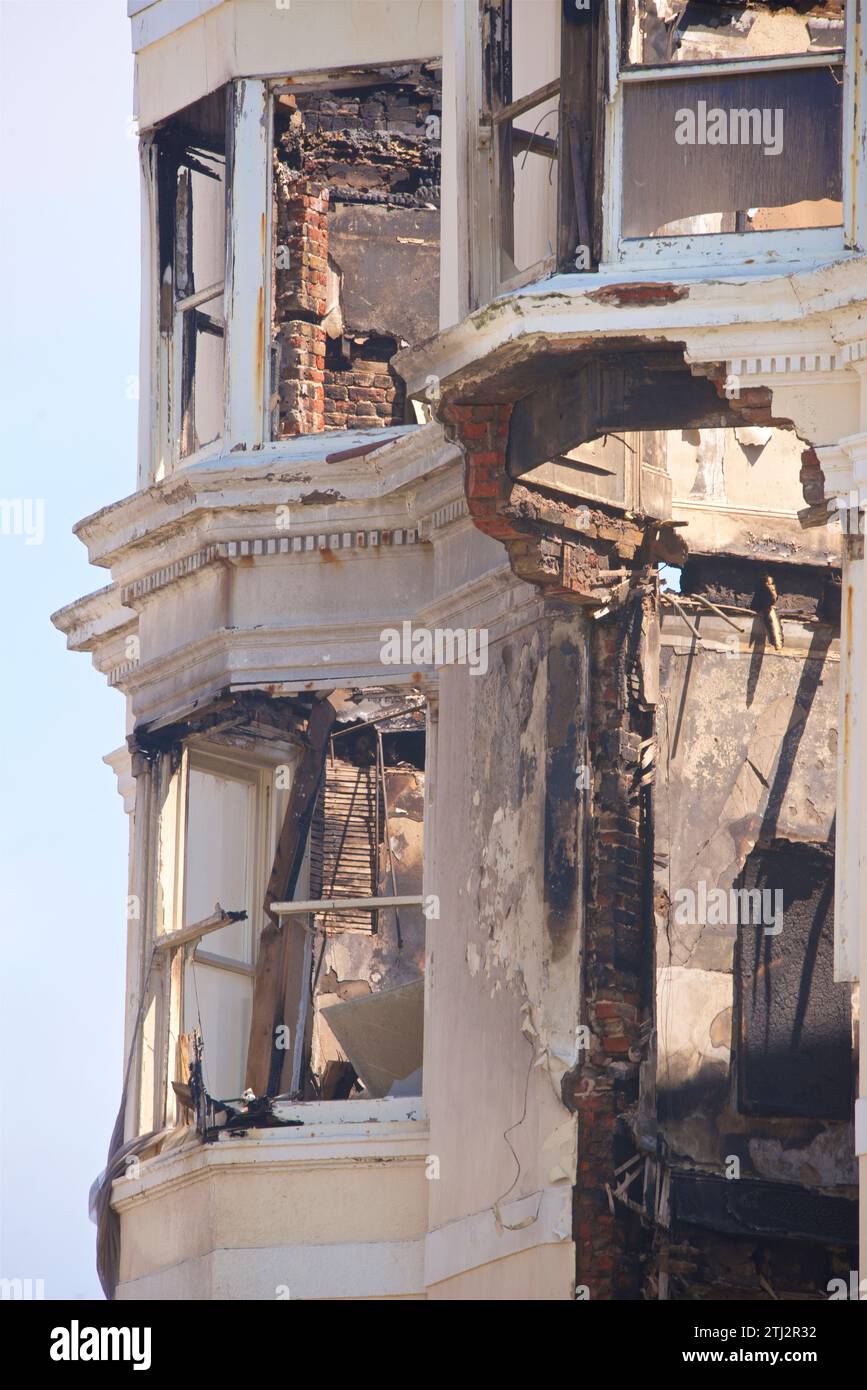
[
  {"x": 657, "y": 32},
  {"x": 794, "y": 1054},
  {"x": 191, "y": 152},
  {"x": 322, "y": 807},
  {"x": 368, "y": 987},
  {"x": 521, "y": 42},
  {"x": 749, "y": 138},
  {"x": 217, "y": 833},
  {"x": 356, "y": 244}
]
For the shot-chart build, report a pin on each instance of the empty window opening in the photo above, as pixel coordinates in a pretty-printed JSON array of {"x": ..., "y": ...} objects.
[
  {"x": 192, "y": 259},
  {"x": 658, "y": 32},
  {"x": 795, "y": 1028},
  {"x": 323, "y": 805},
  {"x": 368, "y": 967},
  {"x": 356, "y": 246},
  {"x": 751, "y": 138},
  {"x": 522, "y": 82}
]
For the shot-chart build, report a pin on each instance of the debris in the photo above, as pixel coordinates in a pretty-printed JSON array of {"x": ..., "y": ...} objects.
[
  {"x": 381, "y": 1035},
  {"x": 765, "y": 599}
]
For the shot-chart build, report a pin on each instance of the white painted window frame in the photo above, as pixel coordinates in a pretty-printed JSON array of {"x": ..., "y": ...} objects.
[
  {"x": 257, "y": 768},
  {"x": 778, "y": 249},
  {"x": 246, "y": 289}
]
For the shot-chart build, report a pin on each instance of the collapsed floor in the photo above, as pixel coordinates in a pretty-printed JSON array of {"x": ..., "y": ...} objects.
[{"x": 715, "y": 1100}]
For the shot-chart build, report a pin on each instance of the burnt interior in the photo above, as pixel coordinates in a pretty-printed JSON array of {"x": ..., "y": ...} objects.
[{"x": 357, "y": 193}]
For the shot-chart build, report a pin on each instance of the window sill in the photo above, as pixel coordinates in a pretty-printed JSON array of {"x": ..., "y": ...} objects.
[{"x": 334, "y": 1134}]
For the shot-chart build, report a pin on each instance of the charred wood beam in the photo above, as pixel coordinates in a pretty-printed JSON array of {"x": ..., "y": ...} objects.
[
  {"x": 608, "y": 398},
  {"x": 581, "y": 129},
  {"x": 512, "y": 109},
  {"x": 533, "y": 143},
  {"x": 280, "y": 986}
]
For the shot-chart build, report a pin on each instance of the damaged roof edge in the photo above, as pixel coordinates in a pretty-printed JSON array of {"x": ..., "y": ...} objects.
[
  {"x": 375, "y": 462},
  {"x": 616, "y": 304}
]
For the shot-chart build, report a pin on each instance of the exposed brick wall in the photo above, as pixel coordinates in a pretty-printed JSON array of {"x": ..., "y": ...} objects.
[
  {"x": 335, "y": 148},
  {"x": 482, "y": 432},
  {"x": 365, "y": 391},
  {"x": 299, "y": 304},
  {"x": 372, "y": 143},
  {"x": 548, "y": 547},
  {"x": 617, "y": 963},
  {"x": 302, "y": 229},
  {"x": 546, "y": 542},
  {"x": 619, "y": 1252},
  {"x": 812, "y": 479},
  {"x": 302, "y": 388}
]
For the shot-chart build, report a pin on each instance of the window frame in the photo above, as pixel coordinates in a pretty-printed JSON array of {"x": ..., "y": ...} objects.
[
  {"x": 175, "y": 375},
  {"x": 775, "y": 248},
  {"x": 496, "y": 130},
  {"x": 255, "y": 767},
  {"x": 245, "y": 287}
]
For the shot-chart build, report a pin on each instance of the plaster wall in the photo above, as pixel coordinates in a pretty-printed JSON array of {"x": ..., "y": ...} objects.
[
  {"x": 322, "y": 1211},
  {"x": 504, "y": 989},
  {"x": 177, "y": 65}
]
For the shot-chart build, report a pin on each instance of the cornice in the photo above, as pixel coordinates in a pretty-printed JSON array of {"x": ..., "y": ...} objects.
[
  {"x": 310, "y": 543},
  {"x": 844, "y": 466},
  {"x": 323, "y": 1147},
  {"x": 718, "y": 317},
  {"x": 325, "y": 477},
  {"x": 92, "y": 618}
]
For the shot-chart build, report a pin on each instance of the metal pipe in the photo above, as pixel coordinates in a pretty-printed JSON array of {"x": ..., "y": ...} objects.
[{"x": 341, "y": 905}]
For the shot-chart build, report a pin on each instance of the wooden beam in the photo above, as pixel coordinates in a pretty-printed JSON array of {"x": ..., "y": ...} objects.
[
  {"x": 534, "y": 144},
  {"x": 168, "y": 941},
  {"x": 513, "y": 109},
  {"x": 819, "y": 514},
  {"x": 281, "y": 983},
  {"x": 578, "y": 119}
]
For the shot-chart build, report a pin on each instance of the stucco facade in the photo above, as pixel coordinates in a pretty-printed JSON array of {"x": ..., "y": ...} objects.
[{"x": 521, "y": 468}]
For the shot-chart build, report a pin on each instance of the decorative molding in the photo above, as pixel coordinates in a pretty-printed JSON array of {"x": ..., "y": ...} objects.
[
  {"x": 263, "y": 546},
  {"x": 787, "y": 364},
  {"x": 443, "y": 516},
  {"x": 325, "y": 1143},
  {"x": 816, "y": 365},
  {"x": 158, "y": 579},
  {"x": 120, "y": 763},
  {"x": 844, "y": 465},
  {"x": 717, "y": 314},
  {"x": 364, "y": 468},
  {"x": 115, "y": 674}
]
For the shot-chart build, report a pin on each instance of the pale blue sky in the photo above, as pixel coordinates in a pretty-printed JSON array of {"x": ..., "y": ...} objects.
[{"x": 70, "y": 254}]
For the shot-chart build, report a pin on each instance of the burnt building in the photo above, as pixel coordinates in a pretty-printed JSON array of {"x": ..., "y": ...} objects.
[{"x": 488, "y": 620}]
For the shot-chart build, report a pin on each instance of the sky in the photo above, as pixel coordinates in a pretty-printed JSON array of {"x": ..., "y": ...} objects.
[{"x": 69, "y": 241}]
